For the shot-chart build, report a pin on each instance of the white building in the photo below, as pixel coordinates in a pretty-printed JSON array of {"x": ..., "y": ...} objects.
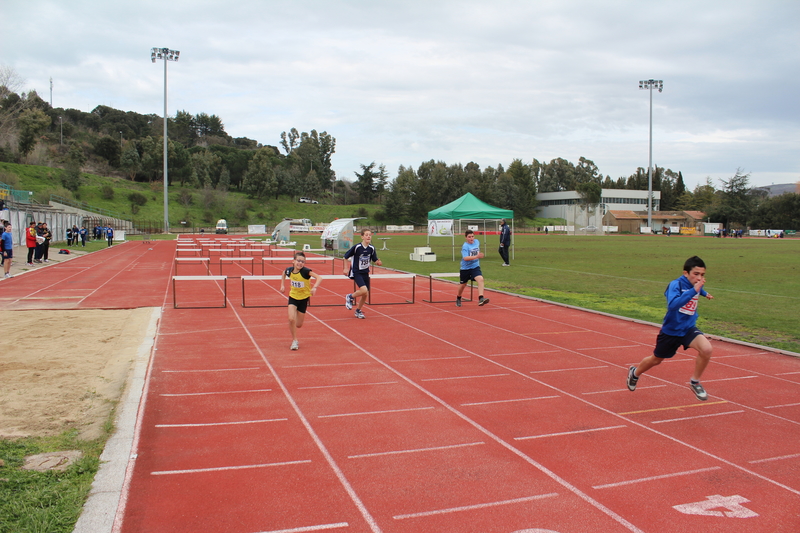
[{"x": 567, "y": 204}]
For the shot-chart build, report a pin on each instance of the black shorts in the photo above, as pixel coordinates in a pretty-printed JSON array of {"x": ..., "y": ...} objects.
[
  {"x": 470, "y": 275},
  {"x": 8, "y": 254},
  {"x": 361, "y": 278},
  {"x": 301, "y": 305},
  {"x": 667, "y": 345}
]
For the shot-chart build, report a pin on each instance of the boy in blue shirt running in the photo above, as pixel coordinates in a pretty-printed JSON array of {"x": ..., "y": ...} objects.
[
  {"x": 679, "y": 327},
  {"x": 471, "y": 256}
]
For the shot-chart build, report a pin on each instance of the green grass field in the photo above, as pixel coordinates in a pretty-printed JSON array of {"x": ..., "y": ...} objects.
[{"x": 755, "y": 282}]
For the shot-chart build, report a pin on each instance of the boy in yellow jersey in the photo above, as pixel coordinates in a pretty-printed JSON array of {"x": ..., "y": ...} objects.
[{"x": 300, "y": 293}]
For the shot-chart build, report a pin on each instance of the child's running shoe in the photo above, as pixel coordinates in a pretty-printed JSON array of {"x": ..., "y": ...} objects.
[
  {"x": 699, "y": 391},
  {"x": 632, "y": 379},
  {"x": 359, "y": 314},
  {"x": 295, "y": 345},
  {"x": 458, "y": 302},
  {"x": 483, "y": 301},
  {"x": 348, "y": 301}
]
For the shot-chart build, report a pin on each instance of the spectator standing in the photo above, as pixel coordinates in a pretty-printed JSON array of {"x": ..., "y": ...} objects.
[
  {"x": 69, "y": 236},
  {"x": 84, "y": 233},
  {"x": 30, "y": 242},
  {"x": 110, "y": 235},
  {"x": 48, "y": 236},
  {"x": 8, "y": 250},
  {"x": 505, "y": 242},
  {"x": 39, "y": 253}
]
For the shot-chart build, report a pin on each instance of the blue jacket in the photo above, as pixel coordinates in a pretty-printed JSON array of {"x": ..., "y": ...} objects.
[
  {"x": 505, "y": 235},
  {"x": 681, "y": 307}
]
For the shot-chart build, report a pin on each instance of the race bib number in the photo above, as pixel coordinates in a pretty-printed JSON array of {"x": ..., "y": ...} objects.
[
  {"x": 298, "y": 284},
  {"x": 690, "y": 308},
  {"x": 474, "y": 251},
  {"x": 363, "y": 262}
]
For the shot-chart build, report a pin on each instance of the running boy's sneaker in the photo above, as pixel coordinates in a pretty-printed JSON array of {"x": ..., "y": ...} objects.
[
  {"x": 458, "y": 302},
  {"x": 632, "y": 379},
  {"x": 699, "y": 391},
  {"x": 295, "y": 345},
  {"x": 348, "y": 301},
  {"x": 359, "y": 314},
  {"x": 483, "y": 301}
]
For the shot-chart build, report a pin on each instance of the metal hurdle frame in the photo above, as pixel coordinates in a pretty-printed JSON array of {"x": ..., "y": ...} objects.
[
  {"x": 437, "y": 275},
  {"x": 223, "y": 279},
  {"x": 205, "y": 260},
  {"x": 237, "y": 260},
  {"x": 312, "y": 259}
]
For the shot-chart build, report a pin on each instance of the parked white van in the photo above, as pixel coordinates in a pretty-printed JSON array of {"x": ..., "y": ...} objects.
[{"x": 222, "y": 226}]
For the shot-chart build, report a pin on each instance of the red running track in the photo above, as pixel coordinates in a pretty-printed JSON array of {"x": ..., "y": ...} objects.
[{"x": 512, "y": 417}]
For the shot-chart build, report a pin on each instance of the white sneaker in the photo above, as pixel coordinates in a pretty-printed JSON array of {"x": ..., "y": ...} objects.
[
  {"x": 9, "y": 275},
  {"x": 295, "y": 345}
]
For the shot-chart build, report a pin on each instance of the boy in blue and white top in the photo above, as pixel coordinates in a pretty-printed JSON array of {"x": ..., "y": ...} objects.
[
  {"x": 357, "y": 268},
  {"x": 471, "y": 256},
  {"x": 679, "y": 327}
]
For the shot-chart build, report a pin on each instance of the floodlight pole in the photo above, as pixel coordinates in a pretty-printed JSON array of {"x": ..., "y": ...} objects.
[
  {"x": 167, "y": 55},
  {"x": 650, "y": 84}
]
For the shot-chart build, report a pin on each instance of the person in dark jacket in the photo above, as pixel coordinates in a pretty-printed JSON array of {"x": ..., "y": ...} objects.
[{"x": 505, "y": 241}]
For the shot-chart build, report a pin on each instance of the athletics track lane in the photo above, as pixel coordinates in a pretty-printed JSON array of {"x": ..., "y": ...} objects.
[{"x": 510, "y": 417}]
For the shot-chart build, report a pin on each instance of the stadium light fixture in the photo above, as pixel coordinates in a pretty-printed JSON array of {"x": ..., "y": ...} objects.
[
  {"x": 167, "y": 55},
  {"x": 650, "y": 84}
]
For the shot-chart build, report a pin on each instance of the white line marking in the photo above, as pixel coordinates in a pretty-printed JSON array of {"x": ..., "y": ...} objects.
[
  {"x": 568, "y": 369},
  {"x": 653, "y": 478},
  {"x": 212, "y": 370},
  {"x": 787, "y": 374},
  {"x": 694, "y": 417},
  {"x": 210, "y": 424},
  {"x": 215, "y": 393},
  {"x": 309, "y": 528},
  {"x": 568, "y": 433},
  {"x": 784, "y": 405},
  {"x": 347, "y": 385},
  {"x": 431, "y": 359},
  {"x": 792, "y": 456},
  {"x": 466, "y": 377},
  {"x": 623, "y": 390},
  {"x": 376, "y": 412},
  {"x": 328, "y": 364},
  {"x": 417, "y": 450},
  {"x": 478, "y": 506},
  {"x": 512, "y": 400},
  {"x": 225, "y": 468},
  {"x": 728, "y": 379},
  {"x": 609, "y": 347}
]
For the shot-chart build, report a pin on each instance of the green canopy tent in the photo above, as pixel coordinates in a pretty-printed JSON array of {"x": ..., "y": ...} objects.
[{"x": 463, "y": 211}]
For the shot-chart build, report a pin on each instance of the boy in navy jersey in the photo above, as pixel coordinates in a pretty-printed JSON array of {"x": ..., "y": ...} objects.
[
  {"x": 357, "y": 268},
  {"x": 679, "y": 328},
  {"x": 300, "y": 292}
]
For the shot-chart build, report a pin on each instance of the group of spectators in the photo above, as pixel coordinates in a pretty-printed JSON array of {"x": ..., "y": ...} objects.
[{"x": 725, "y": 232}]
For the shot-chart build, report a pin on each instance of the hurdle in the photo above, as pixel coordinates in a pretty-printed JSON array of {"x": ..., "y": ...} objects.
[
  {"x": 312, "y": 259},
  {"x": 272, "y": 277},
  {"x": 196, "y": 252},
  {"x": 187, "y": 260},
  {"x": 223, "y": 260},
  {"x": 396, "y": 275},
  {"x": 215, "y": 279},
  {"x": 441, "y": 275}
]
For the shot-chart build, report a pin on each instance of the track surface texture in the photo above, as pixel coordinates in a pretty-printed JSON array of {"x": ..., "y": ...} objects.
[{"x": 512, "y": 417}]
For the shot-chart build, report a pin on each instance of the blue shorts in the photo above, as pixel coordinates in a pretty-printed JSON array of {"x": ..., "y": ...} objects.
[
  {"x": 361, "y": 278},
  {"x": 667, "y": 345},
  {"x": 470, "y": 275},
  {"x": 8, "y": 254},
  {"x": 301, "y": 305}
]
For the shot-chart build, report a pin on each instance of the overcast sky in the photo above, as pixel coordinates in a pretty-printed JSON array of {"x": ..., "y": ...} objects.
[{"x": 455, "y": 81}]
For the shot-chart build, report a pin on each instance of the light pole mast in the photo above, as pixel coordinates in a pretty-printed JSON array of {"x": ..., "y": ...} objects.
[
  {"x": 650, "y": 84},
  {"x": 167, "y": 55}
]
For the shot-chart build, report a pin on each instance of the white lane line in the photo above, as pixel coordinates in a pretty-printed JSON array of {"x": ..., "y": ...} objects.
[
  {"x": 226, "y": 468},
  {"x": 623, "y": 390},
  {"x": 309, "y": 528},
  {"x": 329, "y": 364},
  {"x": 523, "y": 353},
  {"x": 512, "y": 400},
  {"x": 653, "y": 478},
  {"x": 431, "y": 359},
  {"x": 212, "y": 370},
  {"x": 211, "y": 424},
  {"x": 568, "y": 433},
  {"x": 609, "y": 347},
  {"x": 728, "y": 379},
  {"x": 478, "y": 506},
  {"x": 213, "y": 393},
  {"x": 787, "y": 373},
  {"x": 466, "y": 377},
  {"x": 376, "y": 412},
  {"x": 417, "y": 450},
  {"x": 568, "y": 369},
  {"x": 780, "y": 458},
  {"x": 784, "y": 405},
  {"x": 348, "y": 385},
  {"x": 694, "y": 417}
]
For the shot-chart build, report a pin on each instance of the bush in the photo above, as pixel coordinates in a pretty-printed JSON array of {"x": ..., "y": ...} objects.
[
  {"x": 137, "y": 199},
  {"x": 107, "y": 192}
]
